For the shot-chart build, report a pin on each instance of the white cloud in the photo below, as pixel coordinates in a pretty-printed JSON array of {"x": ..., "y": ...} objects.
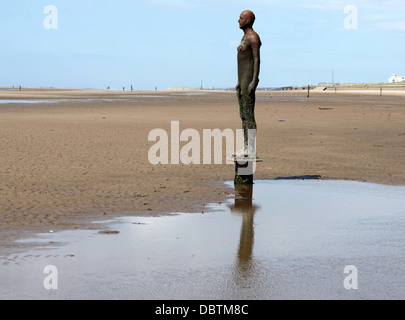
[
  {"x": 234, "y": 43},
  {"x": 184, "y": 4},
  {"x": 385, "y": 15},
  {"x": 392, "y": 26},
  {"x": 390, "y": 5}
]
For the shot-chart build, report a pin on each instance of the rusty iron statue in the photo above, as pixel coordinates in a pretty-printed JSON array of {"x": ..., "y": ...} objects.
[{"x": 248, "y": 79}]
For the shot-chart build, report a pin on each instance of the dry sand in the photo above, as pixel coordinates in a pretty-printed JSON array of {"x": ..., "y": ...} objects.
[{"x": 66, "y": 163}]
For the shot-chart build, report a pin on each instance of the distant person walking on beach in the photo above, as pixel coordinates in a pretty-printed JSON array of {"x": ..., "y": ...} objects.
[{"x": 248, "y": 79}]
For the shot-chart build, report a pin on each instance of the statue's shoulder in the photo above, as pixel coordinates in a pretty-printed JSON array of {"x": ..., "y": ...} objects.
[{"x": 254, "y": 38}]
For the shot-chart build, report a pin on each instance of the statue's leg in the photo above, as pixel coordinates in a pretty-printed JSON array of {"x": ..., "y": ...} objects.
[
  {"x": 241, "y": 101},
  {"x": 244, "y": 169},
  {"x": 249, "y": 124},
  {"x": 249, "y": 111},
  {"x": 242, "y": 112},
  {"x": 246, "y": 110}
]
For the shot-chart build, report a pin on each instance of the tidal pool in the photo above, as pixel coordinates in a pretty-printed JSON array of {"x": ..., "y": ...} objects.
[
  {"x": 34, "y": 101},
  {"x": 22, "y": 101},
  {"x": 279, "y": 239}
]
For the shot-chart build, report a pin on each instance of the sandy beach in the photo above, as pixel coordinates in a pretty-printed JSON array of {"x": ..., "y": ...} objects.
[{"x": 84, "y": 155}]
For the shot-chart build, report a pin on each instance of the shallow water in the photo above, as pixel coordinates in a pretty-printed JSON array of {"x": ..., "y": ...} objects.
[
  {"x": 281, "y": 239},
  {"x": 33, "y": 101},
  {"x": 125, "y": 98},
  {"x": 21, "y": 101}
]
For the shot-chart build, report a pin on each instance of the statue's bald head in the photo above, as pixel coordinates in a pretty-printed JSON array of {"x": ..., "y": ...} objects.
[{"x": 249, "y": 15}]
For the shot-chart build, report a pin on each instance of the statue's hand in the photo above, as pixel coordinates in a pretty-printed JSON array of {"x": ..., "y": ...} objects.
[
  {"x": 252, "y": 87},
  {"x": 238, "y": 89}
]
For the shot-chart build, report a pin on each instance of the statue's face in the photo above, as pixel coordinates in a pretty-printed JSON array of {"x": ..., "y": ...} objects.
[{"x": 244, "y": 20}]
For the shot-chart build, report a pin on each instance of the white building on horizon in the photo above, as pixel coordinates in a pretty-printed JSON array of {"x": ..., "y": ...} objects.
[{"x": 395, "y": 78}]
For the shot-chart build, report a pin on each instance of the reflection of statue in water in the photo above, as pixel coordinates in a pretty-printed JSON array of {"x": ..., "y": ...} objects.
[
  {"x": 248, "y": 79},
  {"x": 243, "y": 205}
]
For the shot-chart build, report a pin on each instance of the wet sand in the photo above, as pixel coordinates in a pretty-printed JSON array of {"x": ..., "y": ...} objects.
[{"x": 85, "y": 157}]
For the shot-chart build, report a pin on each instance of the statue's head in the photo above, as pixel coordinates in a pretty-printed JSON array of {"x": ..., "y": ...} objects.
[{"x": 246, "y": 19}]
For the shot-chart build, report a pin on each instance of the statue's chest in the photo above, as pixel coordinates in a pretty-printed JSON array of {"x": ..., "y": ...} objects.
[{"x": 243, "y": 46}]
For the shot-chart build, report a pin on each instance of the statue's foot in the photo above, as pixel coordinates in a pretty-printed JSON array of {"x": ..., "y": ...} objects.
[
  {"x": 252, "y": 156},
  {"x": 240, "y": 154}
]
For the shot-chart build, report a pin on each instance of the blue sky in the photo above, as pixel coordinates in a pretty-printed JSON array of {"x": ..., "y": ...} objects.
[{"x": 164, "y": 43}]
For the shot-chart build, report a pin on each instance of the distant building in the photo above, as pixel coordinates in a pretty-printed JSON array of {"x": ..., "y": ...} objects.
[{"x": 394, "y": 78}]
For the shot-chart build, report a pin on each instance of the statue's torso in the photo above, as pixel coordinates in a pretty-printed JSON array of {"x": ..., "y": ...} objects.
[{"x": 245, "y": 64}]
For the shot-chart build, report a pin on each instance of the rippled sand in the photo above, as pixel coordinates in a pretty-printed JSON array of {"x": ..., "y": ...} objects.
[{"x": 85, "y": 156}]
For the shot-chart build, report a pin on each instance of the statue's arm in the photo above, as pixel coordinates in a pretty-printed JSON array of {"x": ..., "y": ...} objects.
[{"x": 255, "y": 44}]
